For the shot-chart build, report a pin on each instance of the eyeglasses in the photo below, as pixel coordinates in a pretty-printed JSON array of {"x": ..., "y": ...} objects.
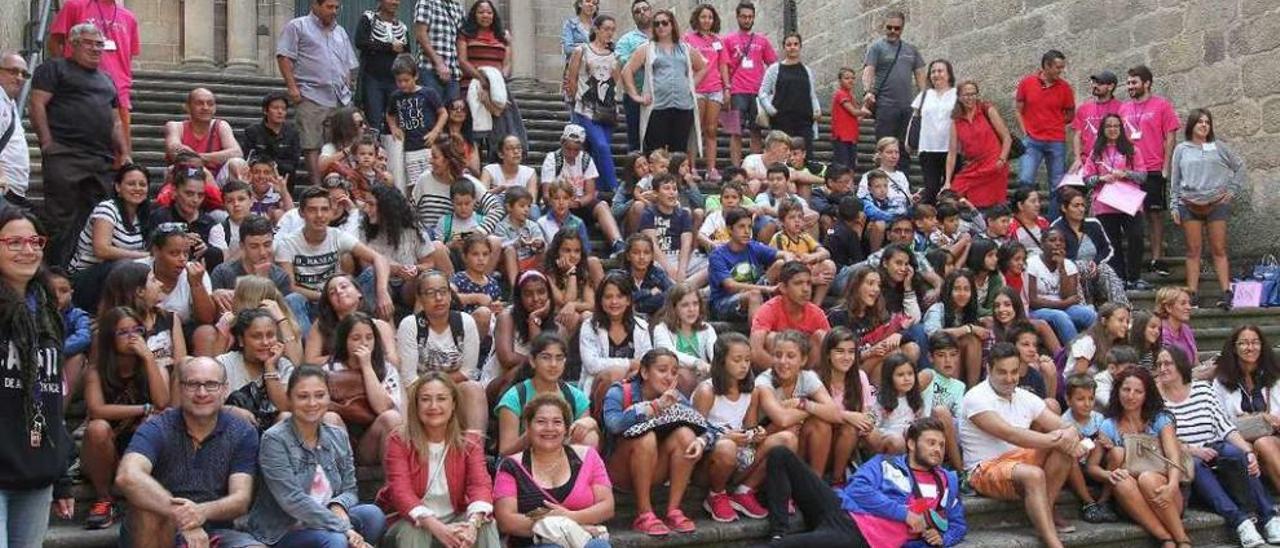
[
  {"x": 131, "y": 331},
  {"x": 662, "y": 23},
  {"x": 18, "y": 243},
  {"x": 19, "y": 72},
  {"x": 208, "y": 386},
  {"x": 93, "y": 44},
  {"x": 458, "y": 108},
  {"x": 1249, "y": 344},
  {"x": 437, "y": 293},
  {"x": 549, "y": 357}
]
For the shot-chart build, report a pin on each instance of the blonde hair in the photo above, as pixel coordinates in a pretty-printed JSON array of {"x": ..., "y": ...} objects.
[
  {"x": 252, "y": 290},
  {"x": 883, "y": 144},
  {"x": 412, "y": 429},
  {"x": 1166, "y": 296},
  {"x": 777, "y": 137}
]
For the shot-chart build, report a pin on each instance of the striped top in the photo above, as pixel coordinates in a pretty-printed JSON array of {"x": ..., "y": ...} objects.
[
  {"x": 1199, "y": 419},
  {"x": 483, "y": 50},
  {"x": 431, "y": 202},
  {"x": 123, "y": 236}
]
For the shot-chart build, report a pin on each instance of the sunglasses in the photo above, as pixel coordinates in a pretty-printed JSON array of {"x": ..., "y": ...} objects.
[
  {"x": 662, "y": 23},
  {"x": 893, "y": 28}
]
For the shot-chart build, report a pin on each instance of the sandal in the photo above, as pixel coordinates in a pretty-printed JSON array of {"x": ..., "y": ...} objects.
[
  {"x": 649, "y": 524},
  {"x": 680, "y": 523}
]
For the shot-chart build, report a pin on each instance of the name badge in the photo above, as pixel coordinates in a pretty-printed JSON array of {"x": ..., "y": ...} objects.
[
  {"x": 1209, "y": 147},
  {"x": 717, "y": 46},
  {"x": 748, "y": 64},
  {"x": 109, "y": 45},
  {"x": 1135, "y": 136}
]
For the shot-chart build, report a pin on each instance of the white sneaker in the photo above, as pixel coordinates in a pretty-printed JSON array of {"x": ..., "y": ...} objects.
[
  {"x": 1272, "y": 528},
  {"x": 1249, "y": 536}
]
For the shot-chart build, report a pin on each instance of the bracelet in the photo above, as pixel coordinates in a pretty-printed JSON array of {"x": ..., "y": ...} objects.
[
  {"x": 282, "y": 320},
  {"x": 146, "y": 409},
  {"x": 272, "y": 376}
]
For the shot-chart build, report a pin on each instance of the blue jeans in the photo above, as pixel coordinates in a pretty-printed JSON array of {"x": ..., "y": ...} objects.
[
  {"x": 366, "y": 519},
  {"x": 632, "y": 110},
  {"x": 1067, "y": 323},
  {"x": 302, "y": 310},
  {"x": 1054, "y": 155},
  {"x": 449, "y": 91},
  {"x": 601, "y": 152},
  {"x": 917, "y": 334},
  {"x": 1209, "y": 490},
  {"x": 25, "y": 517},
  {"x": 374, "y": 94}
]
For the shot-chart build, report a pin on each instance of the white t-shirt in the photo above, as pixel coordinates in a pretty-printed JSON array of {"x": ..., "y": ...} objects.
[
  {"x": 313, "y": 265},
  {"x": 806, "y": 384},
  {"x": 935, "y": 119},
  {"x": 412, "y": 247},
  {"x": 576, "y": 172},
  {"x": 753, "y": 164},
  {"x": 291, "y": 223},
  {"x": 440, "y": 353},
  {"x": 238, "y": 376},
  {"x": 1049, "y": 284},
  {"x": 1083, "y": 347},
  {"x": 178, "y": 301},
  {"x": 713, "y": 227},
  {"x": 219, "y": 238},
  {"x": 15, "y": 158},
  {"x": 1018, "y": 412},
  {"x": 896, "y": 421},
  {"x": 523, "y": 175}
]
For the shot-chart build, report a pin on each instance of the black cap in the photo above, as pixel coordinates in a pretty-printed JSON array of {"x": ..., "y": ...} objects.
[{"x": 1104, "y": 77}]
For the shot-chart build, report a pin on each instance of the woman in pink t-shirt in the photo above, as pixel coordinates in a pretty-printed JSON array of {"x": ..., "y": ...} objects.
[
  {"x": 1114, "y": 162},
  {"x": 551, "y": 477},
  {"x": 712, "y": 90}
]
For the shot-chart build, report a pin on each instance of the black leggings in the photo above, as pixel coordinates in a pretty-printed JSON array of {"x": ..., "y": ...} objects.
[
  {"x": 668, "y": 128},
  {"x": 826, "y": 524},
  {"x": 1125, "y": 233},
  {"x": 934, "y": 167}
]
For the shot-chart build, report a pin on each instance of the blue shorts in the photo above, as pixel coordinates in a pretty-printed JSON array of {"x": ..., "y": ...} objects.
[{"x": 729, "y": 309}]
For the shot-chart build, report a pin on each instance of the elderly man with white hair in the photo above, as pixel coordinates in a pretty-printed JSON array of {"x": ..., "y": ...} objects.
[{"x": 74, "y": 113}]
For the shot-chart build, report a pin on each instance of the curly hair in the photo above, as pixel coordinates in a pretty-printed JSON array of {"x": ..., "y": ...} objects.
[
  {"x": 471, "y": 25},
  {"x": 1152, "y": 403}
]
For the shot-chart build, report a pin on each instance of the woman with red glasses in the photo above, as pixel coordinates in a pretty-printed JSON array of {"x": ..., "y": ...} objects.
[{"x": 35, "y": 448}]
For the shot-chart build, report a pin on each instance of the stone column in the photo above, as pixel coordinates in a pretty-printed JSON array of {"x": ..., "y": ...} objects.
[
  {"x": 197, "y": 35},
  {"x": 242, "y": 36},
  {"x": 520, "y": 18}
]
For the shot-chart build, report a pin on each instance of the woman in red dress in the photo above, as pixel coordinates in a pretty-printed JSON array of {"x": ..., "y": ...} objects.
[{"x": 980, "y": 135}]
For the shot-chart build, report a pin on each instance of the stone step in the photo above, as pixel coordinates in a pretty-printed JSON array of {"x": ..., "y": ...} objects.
[
  {"x": 1204, "y": 529},
  {"x": 64, "y": 534}
]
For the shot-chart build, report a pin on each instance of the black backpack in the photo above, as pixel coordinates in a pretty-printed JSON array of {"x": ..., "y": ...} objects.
[{"x": 455, "y": 330}]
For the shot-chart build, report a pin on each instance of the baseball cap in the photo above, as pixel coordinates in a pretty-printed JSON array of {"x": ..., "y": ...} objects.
[
  {"x": 1104, "y": 77},
  {"x": 575, "y": 133}
]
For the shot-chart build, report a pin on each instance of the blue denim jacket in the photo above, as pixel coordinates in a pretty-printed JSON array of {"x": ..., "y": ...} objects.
[{"x": 281, "y": 502}]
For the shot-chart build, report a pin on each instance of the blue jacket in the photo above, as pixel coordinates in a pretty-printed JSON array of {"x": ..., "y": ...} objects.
[
  {"x": 882, "y": 486},
  {"x": 79, "y": 329}
]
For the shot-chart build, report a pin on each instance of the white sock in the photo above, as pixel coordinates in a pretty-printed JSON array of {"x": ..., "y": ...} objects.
[{"x": 741, "y": 490}]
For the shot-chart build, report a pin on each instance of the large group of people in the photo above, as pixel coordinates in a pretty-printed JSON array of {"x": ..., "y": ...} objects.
[{"x": 382, "y": 282}]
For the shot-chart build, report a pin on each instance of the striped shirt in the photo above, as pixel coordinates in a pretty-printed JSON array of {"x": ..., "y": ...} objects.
[
  {"x": 123, "y": 235},
  {"x": 431, "y": 202},
  {"x": 1199, "y": 419}
]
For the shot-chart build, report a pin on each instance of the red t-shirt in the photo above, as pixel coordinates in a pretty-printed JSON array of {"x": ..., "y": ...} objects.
[
  {"x": 844, "y": 126},
  {"x": 1045, "y": 108},
  {"x": 772, "y": 317}
]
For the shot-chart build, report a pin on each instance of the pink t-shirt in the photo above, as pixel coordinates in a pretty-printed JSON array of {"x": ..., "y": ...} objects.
[
  {"x": 868, "y": 393},
  {"x": 1088, "y": 122},
  {"x": 1111, "y": 159},
  {"x": 118, "y": 26},
  {"x": 1146, "y": 123},
  {"x": 715, "y": 54},
  {"x": 592, "y": 473},
  {"x": 749, "y": 54},
  {"x": 772, "y": 317}
]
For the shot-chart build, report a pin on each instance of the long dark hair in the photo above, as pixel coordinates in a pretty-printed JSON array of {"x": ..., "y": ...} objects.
[
  {"x": 244, "y": 319},
  {"x": 142, "y": 219},
  {"x": 1102, "y": 341},
  {"x": 888, "y": 395},
  {"x": 892, "y": 293},
  {"x": 327, "y": 318},
  {"x": 877, "y": 313},
  {"x": 395, "y": 217},
  {"x": 964, "y": 316},
  {"x": 720, "y": 380},
  {"x": 621, "y": 281},
  {"x": 1231, "y": 372},
  {"x": 453, "y": 154},
  {"x": 519, "y": 315},
  {"x": 1122, "y": 142},
  {"x": 552, "y": 255},
  {"x": 106, "y": 361},
  {"x": 122, "y": 288},
  {"x": 1152, "y": 403},
  {"x": 28, "y": 332},
  {"x": 976, "y": 261},
  {"x": 471, "y": 25},
  {"x": 341, "y": 352},
  {"x": 340, "y": 127},
  {"x": 853, "y": 396}
]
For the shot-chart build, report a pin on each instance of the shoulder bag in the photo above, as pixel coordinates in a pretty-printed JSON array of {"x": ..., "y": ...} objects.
[
  {"x": 347, "y": 397},
  {"x": 913, "y": 127},
  {"x": 1143, "y": 453},
  {"x": 1016, "y": 148}
]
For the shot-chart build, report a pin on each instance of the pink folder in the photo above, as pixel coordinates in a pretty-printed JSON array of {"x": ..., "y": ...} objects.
[{"x": 1122, "y": 196}]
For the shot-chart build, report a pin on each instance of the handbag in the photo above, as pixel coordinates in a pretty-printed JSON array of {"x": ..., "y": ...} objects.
[
  {"x": 253, "y": 398},
  {"x": 1143, "y": 453},
  {"x": 669, "y": 419},
  {"x": 1016, "y": 148},
  {"x": 1254, "y": 426},
  {"x": 348, "y": 399},
  {"x": 1247, "y": 294},
  {"x": 913, "y": 126}
]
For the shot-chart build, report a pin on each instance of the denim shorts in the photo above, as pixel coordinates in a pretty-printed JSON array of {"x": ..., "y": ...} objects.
[
  {"x": 714, "y": 96},
  {"x": 729, "y": 309},
  {"x": 1220, "y": 211}
]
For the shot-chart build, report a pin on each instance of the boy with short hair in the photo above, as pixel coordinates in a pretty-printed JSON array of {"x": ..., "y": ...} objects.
[
  {"x": 948, "y": 235},
  {"x": 1088, "y": 421},
  {"x": 78, "y": 328},
  {"x": 925, "y": 218},
  {"x": 943, "y": 392},
  {"x": 1039, "y": 375},
  {"x": 570, "y": 164},
  {"x": 522, "y": 240},
  {"x": 826, "y": 198},
  {"x": 792, "y": 238},
  {"x": 844, "y": 240},
  {"x": 237, "y": 197},
  {"x": 804, "y": 171},
  {"x": 416, "y": 115},
  {"x": 560, "y": 215},
  {"x": 777, "y": 149},
  {"x": 743, "y": 271},
  {"x": 997, "y": 218},
  {"x": 714, "y": 231},
  {"x": 880, "y": 211},
  {"x": 455, "y": 226},
  {"x": 670, "y": 227},
  {"x": 269, "y": 189},
  {"x": 971, "y": 220},
  {"x": 767, "y": 203}
]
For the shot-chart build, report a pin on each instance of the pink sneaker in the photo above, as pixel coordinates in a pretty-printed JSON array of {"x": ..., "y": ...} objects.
[
  {"x": 720, "y": 507},
  {"x": 748, "y": 505}
]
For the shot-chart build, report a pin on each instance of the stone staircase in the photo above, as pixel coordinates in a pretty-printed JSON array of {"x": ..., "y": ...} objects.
[{"x": 159, "y": 97}]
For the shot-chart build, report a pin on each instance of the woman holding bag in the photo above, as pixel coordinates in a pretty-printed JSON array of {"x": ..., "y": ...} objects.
[
  {"x": 364, "y": 386},
  {"x": 789, "y": 94},
  {"x": 593, "y": 79},
  {"x": 1110, "y": 164},
  {"x": 1227, "y": 475},
  {"x": 933, "y": 108},
  {"x": 1247, "y": 382},
  {"x": 551, "y": 484},
  {"x": 668, "y": 107},
  {"x": 981, "y": 136},
  {"x": 1205, "y": 176}
]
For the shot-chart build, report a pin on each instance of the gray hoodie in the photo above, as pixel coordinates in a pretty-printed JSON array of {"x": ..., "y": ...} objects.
[{"x": 1203, "y": 174}]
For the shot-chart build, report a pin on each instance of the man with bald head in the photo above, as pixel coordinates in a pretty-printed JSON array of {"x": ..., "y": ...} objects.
[
  {"x": 201, "y": 134},
  {"x": 188, "y": 472},
  {"x": 15, "y": 160},
  {"x": 74, "y": 113}
]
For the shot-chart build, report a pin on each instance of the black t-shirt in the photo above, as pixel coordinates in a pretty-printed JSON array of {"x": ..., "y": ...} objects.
[
  {"x": 83, "y": 108},
  {"x": 792, "y": 95},
  {"x": 202, "y": 225},
  {"x": 284, "y": 147},
  {"x": 845, "y": 245}
]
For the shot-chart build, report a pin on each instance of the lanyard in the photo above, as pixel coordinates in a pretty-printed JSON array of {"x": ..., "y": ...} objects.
[{"x": 107, "y": 26}]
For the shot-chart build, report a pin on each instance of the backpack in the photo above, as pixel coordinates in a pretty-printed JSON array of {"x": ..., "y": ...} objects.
[
  {"x": 455, "y": 330},
  {"x": 558, "y": 156},
  {"x": 446, "y": 231},
  {"x": 522, "y": 395}
]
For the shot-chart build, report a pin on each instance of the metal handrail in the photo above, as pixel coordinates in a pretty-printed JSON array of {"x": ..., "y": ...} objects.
[{"x": 36, "y": 45}]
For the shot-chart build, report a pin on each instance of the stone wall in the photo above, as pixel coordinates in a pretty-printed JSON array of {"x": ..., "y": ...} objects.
[{"x": 1219, "y": 54}]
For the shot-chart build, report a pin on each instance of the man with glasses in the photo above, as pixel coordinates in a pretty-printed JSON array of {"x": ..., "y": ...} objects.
[
  {"x": 642, "y": 14},
  {"x": 889, "y": 68},
  {"x": 188, "y": 472},
  {"x": 15, "y": 159},
  {"x": 75, "y": 117},
  {"x": 121, "y": 42},
  {"x": 318, "y": 65},
  {"x": 750, "y": 53}
]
